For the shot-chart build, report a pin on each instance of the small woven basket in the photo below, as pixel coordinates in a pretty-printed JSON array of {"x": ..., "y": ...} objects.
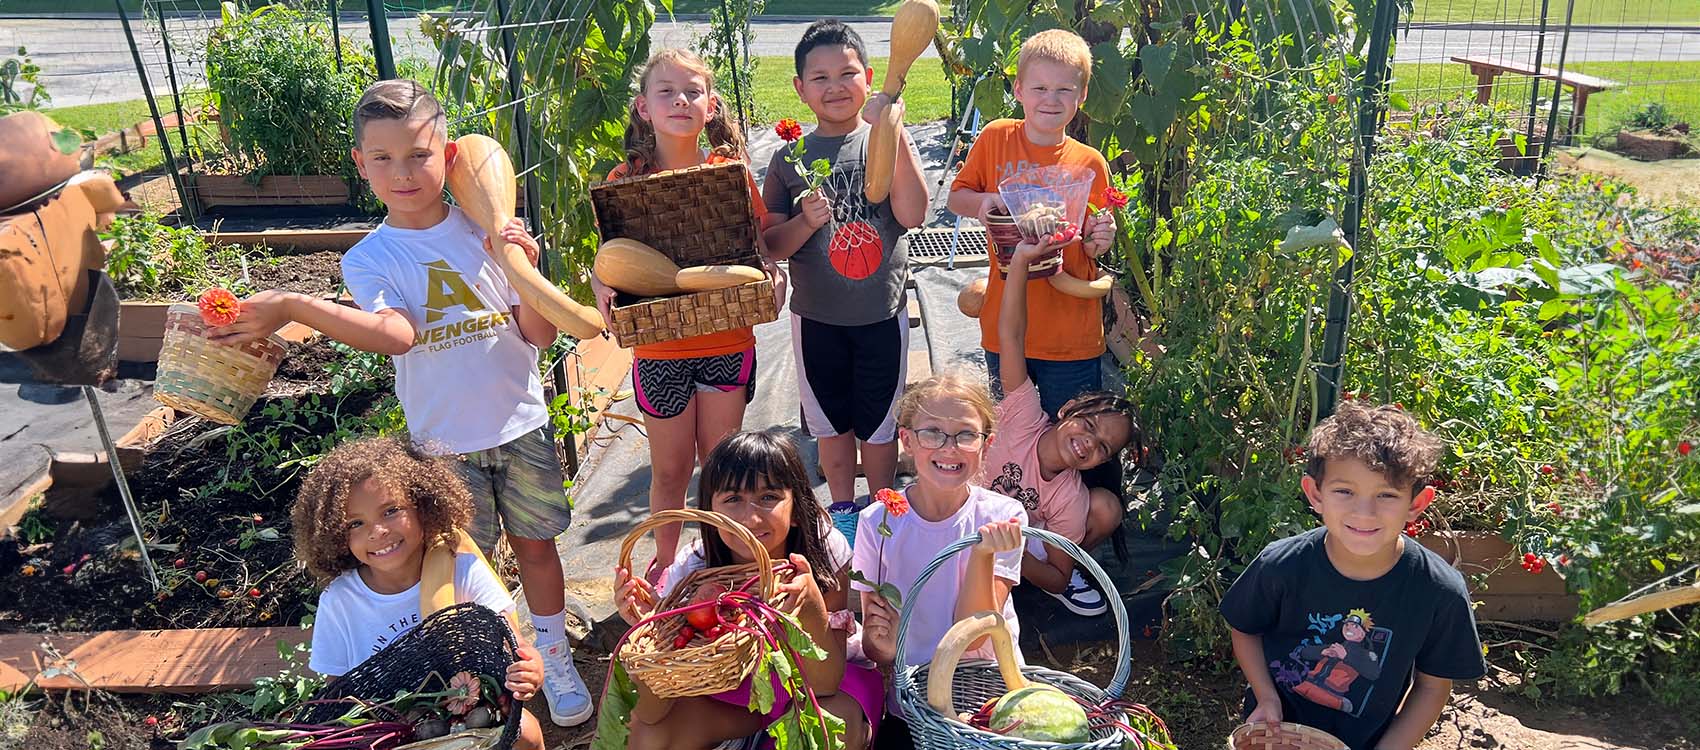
[
  {"x": 1005, "y": 236},
  {"x": 461, "y": 638},
  {"x": 1282, "y": 736},
  {"x": 707, "y": 668},
  {"x": 976, "y": 681},
  {"x": 700, "y": 215},
  {"x": 216, "y": 381}
]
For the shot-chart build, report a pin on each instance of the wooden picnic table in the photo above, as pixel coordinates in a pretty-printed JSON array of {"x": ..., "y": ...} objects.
[{"x": 1486, "y": 69}]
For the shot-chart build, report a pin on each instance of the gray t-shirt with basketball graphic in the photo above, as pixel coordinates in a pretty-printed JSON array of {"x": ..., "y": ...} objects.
[{"x": 850, "y": 272}]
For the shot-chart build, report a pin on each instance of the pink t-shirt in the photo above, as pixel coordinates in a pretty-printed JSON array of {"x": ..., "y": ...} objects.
[
  {"x": 914, "y": 542},
  {"x": 1058, "y": 504}
]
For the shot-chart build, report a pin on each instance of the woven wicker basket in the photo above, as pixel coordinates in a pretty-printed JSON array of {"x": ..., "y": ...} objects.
[
  {"x": 706, "y": 668},
  {"x": 1282, "y": 736},
  {"x": 701, "y": 215},
  {"x": 216, "y": 381},
  {"x": 467, "y": 637},
  {"x": 976, "y": 681}
]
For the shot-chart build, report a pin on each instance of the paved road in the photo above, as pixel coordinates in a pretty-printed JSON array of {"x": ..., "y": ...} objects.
[{"x": 87, "y": 61}]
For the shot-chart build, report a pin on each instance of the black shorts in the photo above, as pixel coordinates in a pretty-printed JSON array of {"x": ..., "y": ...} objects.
[
  {"x": 664, "y": 387},
  {"x": 850, "y": 377}
]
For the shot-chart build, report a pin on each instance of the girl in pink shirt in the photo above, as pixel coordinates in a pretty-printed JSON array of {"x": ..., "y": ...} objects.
[{"x": 1038, "y": 461}]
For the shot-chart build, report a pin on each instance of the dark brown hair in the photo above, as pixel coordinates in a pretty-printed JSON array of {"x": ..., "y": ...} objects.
[
  {"x": 1386, "y": 438},
  {"x": 724, "y": 137},
  {"x": 1100, "y": 403},
  {"x": 750, "y": 461},
  {"x": 320, "y": 515},
  {"x": 397, "y": 99}
]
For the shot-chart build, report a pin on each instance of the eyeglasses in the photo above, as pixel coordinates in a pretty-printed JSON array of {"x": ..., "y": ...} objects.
[{"x": 930, "y": 438}]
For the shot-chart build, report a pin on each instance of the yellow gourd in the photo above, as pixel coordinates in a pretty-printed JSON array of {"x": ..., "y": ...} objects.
[
  {"x": 706, "y": 278},
  {"x": 635, "y": 268},
  {"x": 972, "y": 298},
  {"x": 1073, "y": 287}
]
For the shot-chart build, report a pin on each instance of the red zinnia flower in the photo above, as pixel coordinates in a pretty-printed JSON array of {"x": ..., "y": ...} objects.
[
  {"x": 219, "y": 307},
  {"x": 1115, "y": 198},
  {"x": 893, "y": 501},
  {"x": 789, "y": 130}
]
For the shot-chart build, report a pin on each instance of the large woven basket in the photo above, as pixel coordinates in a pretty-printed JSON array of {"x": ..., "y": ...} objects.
[
  {"x": 1282, "y": 736},
  {"x": 706, "y": 668},
  {"x": 976, "y": 681},
  {"x": 464, "y": 637},
  {"x": 217, "y": 381},
  {"x": 700, "y": 215}
]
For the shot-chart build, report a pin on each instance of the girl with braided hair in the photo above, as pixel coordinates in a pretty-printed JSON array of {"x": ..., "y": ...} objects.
[{"x": 1038, "y": 460}]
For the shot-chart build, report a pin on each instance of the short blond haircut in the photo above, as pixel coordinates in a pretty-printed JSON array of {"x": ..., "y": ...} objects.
[
  {"x": 398, "y": 99},
  {"x": 1059, "y": 46},
  {"x": 951, "y": 385}
]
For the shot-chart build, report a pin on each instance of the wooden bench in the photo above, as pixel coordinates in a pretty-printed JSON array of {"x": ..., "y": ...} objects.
[{"x": 1486, "y": 69}]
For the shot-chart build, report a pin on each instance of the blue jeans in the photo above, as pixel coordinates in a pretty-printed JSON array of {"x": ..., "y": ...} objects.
[{"x": 1059, "y": 381}]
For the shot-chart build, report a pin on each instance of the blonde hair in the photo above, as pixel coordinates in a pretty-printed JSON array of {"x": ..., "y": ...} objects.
[
  {"x": 953, "y": 386},
  {"x": 398, "y": 99},
  {"x": 724, "y": 138},
  {"x": 1059, "y": 46}
]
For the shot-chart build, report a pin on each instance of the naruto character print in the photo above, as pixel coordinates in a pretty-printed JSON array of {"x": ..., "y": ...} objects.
[
  {"x": 664, "y": 387},
  {"x": 1337, "y": 666}
]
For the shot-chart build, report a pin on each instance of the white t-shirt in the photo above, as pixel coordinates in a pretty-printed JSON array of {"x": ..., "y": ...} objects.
[
  {"x": 914, "y": 542},
  {"x": 470, "y": 381},
  {"x": 353, "y": 621}
]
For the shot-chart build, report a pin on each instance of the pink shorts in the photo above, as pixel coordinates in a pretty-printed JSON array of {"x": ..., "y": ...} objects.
[{"x": 862, "y": 684}]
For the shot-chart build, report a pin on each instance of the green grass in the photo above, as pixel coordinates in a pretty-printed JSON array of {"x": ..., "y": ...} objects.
[
  {"x": 1675, "y": 84},
  {"x": 1588, "y": 12},
  {"x": 927, "y": 94},
  {"x": 105, "y": 118}
]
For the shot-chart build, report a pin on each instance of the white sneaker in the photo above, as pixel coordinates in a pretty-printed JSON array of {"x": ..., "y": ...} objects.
[
  {"x": 1080, "y": 597},
  {"x": 569, "y": 701}
]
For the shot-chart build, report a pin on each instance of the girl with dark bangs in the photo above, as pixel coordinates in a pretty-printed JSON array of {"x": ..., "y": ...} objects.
[{"x": 758, "y": 480}]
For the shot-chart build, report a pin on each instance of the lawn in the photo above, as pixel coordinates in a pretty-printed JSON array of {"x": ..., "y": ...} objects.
[
  {"x": 927, "y": 94},
  {"x": 1675, "y": 84},
  {"x": 105, "y": 118}
]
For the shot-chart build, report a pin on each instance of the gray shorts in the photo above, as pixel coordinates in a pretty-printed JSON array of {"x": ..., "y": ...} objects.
[{"x": 516, "y": 487}]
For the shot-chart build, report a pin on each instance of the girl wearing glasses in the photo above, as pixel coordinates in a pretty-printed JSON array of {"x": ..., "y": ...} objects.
[
  {"x": 1039, "y": 461},
  {"x": 945, "y": 423},
  {"x": 758, "y": 480}
]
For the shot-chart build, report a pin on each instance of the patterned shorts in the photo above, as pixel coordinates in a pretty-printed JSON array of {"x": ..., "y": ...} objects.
[
  {"x": 664, "y": 387},
  {"x": 516, "y": 487}
]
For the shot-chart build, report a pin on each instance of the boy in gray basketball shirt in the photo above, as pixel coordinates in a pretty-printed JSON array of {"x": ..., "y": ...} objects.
[{"x": 849, "y": 325}]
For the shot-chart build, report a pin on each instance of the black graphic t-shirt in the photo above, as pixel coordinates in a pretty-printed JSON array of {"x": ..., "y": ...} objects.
[
  {"x": 849, "y": 272},
  {"x": 1342, "y": 652}
]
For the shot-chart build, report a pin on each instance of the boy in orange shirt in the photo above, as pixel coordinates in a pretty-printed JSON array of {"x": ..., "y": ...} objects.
[{"x": 1065, "y": 335}]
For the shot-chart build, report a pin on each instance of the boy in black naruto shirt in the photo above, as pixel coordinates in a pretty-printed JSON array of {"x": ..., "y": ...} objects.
[{"x": 1351, "y": 628}]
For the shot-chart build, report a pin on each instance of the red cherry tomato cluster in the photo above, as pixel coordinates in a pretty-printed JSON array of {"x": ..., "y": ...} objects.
[{"x": 1066, "y": 232}]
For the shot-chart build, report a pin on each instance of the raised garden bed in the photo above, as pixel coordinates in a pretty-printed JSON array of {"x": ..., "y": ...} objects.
[
  {"x": 1505, "y": 590},
  {"x": 212, "y": 190}
]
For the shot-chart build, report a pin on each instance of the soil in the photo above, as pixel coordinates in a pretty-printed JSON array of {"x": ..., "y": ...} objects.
[
  {"x": 309, "y": 273},
  {"x": 1669, "y": 182},
  {"x": 197, "y": 522}
]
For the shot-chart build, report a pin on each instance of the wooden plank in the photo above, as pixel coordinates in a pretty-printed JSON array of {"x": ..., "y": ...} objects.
[
  {"x": 300, "y": 239},
  {"x": 176, "y": 661},
  {"x": 1579, "y": 80},
  {"x": 288, "y": 190},
  {"x": 22, "y": 656},
  {"x": 139, "y": 349}
]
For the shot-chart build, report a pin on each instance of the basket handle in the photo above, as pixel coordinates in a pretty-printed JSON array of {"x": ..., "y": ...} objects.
[
  {"x": 955, "y": 642},
  {"x": 904, "y": 677},
  {"x": 764, "y": 563}
]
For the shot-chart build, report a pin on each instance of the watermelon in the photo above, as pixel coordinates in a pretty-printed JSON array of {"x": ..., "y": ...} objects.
[{"x": 1041, "y": 713}]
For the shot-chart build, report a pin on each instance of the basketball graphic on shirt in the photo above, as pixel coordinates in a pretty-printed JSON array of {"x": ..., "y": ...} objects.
[{"x": 855, "y": 251}]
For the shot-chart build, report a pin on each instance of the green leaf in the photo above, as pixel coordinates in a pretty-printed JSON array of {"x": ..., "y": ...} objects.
[
  {"x": 67, "y": 141},
  {"x": 799, "y": 640},
  {"x": 761, "y": 684},
  {"x": 1155, "y": 60},
  {"x": 613, "y": 722}
]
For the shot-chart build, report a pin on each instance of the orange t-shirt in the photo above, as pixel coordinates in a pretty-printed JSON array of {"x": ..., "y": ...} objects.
[
  {"x": 708, "y": 344},
  {"x": 1059, "y": 327}
]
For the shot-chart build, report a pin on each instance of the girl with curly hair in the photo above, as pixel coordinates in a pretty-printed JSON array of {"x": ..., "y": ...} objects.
[{"x": 364, "y": 518}]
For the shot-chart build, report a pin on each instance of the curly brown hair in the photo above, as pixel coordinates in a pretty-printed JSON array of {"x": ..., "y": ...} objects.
[
  {"x": 440, "y": 499},
  {"x": 1386, "y": 438}
]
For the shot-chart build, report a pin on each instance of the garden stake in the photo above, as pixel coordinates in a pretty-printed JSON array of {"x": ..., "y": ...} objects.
[{"x": 123, "y": 486}]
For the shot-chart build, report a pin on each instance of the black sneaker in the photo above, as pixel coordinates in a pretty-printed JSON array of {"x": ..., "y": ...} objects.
[{"x": 1081, "y": 597}]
